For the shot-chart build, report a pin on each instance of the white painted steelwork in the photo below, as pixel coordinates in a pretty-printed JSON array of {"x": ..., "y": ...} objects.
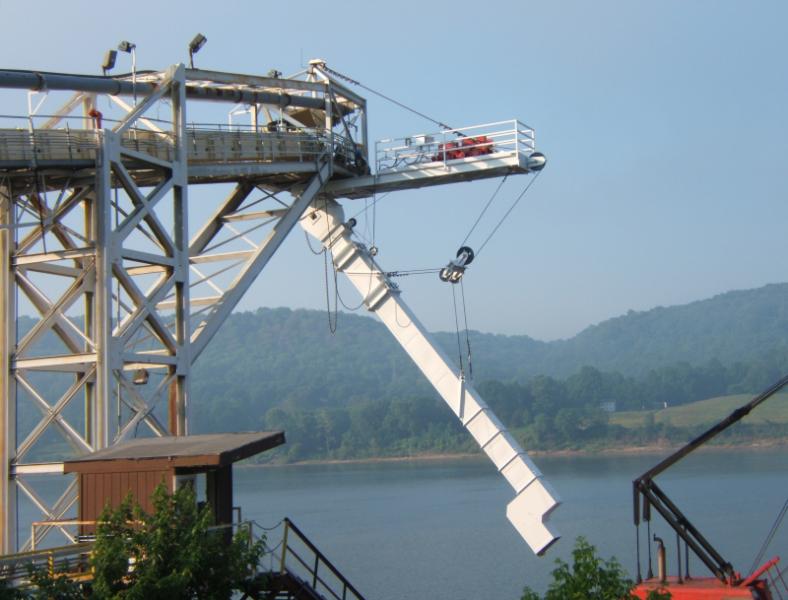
[
  {"x": 534, "y": 499},
  {"x": 94, "y": 237}
]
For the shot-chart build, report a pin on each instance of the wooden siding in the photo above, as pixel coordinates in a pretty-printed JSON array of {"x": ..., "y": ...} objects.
[{"x": 97, "y": 490}]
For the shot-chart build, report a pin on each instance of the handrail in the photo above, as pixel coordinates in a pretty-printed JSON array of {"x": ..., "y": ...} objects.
[
  {"x": 319, "y": 558},
  {"x": 14, "y": 568},
  {"x": 478, "y": 142}
]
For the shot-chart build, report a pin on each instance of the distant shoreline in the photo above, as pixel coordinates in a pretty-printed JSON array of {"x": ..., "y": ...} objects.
[{"x": 654, "y": 449}]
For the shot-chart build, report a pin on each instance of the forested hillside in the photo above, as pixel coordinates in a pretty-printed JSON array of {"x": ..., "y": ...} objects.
[
  {"x": 274, "y": 357},
  {"x": 332, "y": 393},
  {"x": 356, "y": 393}
]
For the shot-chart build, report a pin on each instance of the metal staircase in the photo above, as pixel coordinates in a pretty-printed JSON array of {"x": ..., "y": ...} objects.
[{"x": 306, "y": 573}]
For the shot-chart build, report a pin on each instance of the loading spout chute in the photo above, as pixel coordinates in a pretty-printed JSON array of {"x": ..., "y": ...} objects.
[{"x": 534, "y": 498}]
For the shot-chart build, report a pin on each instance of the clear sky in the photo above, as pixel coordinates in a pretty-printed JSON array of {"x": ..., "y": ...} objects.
[{"x": 664, "y": 124}]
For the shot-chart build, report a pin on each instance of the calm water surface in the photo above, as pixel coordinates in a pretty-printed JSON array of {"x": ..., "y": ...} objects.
[{"x": 439, "y": 529}]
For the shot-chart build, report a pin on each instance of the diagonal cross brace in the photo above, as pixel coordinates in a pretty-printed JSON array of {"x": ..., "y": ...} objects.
[{"x": 210, "y": 325}]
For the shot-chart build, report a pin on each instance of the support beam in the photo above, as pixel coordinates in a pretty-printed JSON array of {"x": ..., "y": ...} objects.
[
  {"x": 8, "y": 334},
  {"x": 534, "y": 498},
  {"x": 210, "y": 325}
]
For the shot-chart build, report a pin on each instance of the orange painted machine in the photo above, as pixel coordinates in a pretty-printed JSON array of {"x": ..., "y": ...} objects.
[{"x": 764, "y": 583}]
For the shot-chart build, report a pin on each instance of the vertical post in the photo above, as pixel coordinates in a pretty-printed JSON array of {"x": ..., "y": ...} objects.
[
  {"x": 678, "y": 555},
  {"x": 102, "y": 317},
  {"x": 329, "y": 125},
  {"x": 364, "y": 135},
  {"x": 314, "y": 573},
  {"x": 284, "y": 546},
  {"x": 7, "y": 382},
  {"x": 89, "y": 329},
  {"x": 179, "y": 391}
]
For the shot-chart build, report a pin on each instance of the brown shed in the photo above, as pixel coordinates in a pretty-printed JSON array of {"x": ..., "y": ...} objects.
[{"x": 138, "y": 466}]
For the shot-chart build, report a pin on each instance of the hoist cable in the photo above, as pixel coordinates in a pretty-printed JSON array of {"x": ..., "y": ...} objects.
[
  {"x": 467, "y": 335},
  {"x": 309, "y": 245},
  {"x": 332, "y": 325},
  {"x": 339, "y": 296},
  {"x": 403, "y": 273},
  {"x": 484, "y": 210},
  {"x": 392, "y": 100},
  {"x": 372, "y": 205},
  {"x": 508, "y": 212},
  {"x": 457, "y": 329},
  {"x": 770, "y": 536}
]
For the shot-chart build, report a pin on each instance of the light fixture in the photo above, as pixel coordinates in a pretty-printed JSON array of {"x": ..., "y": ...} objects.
[
  {"x": 140, "y": 377},
  {"x": 194, "y": 47},
  {"x": 126, "y": 46},
  {"x": 109, "y": 61},
  {"x": 129, "y": 48}
]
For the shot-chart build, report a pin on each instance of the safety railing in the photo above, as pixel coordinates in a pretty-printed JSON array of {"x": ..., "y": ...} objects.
[
  {"x": 478, "y": 142},
  {"x": 205, "y": 144},
  {"x": 301, "y": 558},
  {"x": 71, "y": 561}
]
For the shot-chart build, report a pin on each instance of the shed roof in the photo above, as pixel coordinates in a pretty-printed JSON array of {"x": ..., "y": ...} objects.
[{"x": 212, "y": 450}]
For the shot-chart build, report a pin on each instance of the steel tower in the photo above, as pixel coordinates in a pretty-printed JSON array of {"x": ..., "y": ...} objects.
[{"x": 95, "y": 239}]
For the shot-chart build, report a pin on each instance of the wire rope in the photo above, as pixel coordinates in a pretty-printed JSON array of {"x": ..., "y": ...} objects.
[
  {"x": 385, "y": 97},
  {"x": 457, "y": 329},
  {"x": 770, "y": 536},
  {"x": 508, "y": 212},
  {"x": 467, "y": 334},
  {"x": 484, "y": 210},
  {"x": 372, "y": 205},
  {"x": 332, "y": 324}
]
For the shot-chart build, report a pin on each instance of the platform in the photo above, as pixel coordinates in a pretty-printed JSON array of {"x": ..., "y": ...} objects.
[{"x": 282, "y": 158}]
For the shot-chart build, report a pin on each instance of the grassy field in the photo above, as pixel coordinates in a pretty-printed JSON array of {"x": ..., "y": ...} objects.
[{"x": 708, "y": 412}]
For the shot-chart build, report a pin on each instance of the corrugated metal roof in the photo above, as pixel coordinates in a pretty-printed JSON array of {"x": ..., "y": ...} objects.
[{"x": 191, "y": 450}]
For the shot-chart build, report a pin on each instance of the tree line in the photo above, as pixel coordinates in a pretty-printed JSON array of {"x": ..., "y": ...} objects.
[{"x": 545, "y": 413}]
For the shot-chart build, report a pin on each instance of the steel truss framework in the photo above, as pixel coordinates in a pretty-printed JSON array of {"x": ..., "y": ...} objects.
[
  {"x": 95, "y": 238},
  {"x": 102, "y": 252}
]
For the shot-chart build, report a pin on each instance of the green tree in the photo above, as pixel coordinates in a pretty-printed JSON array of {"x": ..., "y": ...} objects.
[
  {"x": 173, "y": 552},
  {"x": 588, "y": 578}
]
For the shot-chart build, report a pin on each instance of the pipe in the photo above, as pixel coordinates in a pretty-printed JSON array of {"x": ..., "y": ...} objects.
[
  {"x": 40, "y": 81},
  {"x": 661, "y": 565}
]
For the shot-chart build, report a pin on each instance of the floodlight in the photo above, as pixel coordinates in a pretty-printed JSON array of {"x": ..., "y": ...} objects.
[
  {"x": 109, "y": 61},
  {"x": 195, "y": 45},
  {"x": 129, "y": 48},
  {"x": 126, "y": 46}
]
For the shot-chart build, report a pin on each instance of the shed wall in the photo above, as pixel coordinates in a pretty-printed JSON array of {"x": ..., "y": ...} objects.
[{"x": 96, "y": 490}]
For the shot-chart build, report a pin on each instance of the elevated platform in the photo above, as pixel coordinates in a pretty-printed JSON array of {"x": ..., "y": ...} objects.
[{"x": 280, "y": 159}]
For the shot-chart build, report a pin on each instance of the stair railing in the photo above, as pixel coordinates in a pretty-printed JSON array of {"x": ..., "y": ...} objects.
[{"x": 314, "y": 562}]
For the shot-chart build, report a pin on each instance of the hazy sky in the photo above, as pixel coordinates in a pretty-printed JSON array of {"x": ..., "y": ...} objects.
[{"x": 664, "y": 124}]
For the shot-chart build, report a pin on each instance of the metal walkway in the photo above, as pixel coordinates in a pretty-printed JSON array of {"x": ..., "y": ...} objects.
[{"x": 280, "y": 158}]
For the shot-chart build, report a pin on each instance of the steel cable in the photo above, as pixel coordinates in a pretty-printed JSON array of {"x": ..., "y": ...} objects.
[
  {"x": 508, "y": 212},
  {"x": 769, "y": 537}
]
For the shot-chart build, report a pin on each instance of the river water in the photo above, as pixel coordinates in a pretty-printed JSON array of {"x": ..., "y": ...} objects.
[{"x": 438, "y": 529}]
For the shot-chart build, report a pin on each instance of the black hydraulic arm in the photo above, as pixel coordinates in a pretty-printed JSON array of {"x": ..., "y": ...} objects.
[{"x": 654, "y": 496}]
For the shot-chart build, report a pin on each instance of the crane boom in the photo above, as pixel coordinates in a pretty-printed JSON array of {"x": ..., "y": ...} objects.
[{"x": 534, "y": 499}]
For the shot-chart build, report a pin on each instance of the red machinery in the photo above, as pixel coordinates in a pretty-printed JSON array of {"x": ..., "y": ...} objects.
[{"x": 464, "y": 147}]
